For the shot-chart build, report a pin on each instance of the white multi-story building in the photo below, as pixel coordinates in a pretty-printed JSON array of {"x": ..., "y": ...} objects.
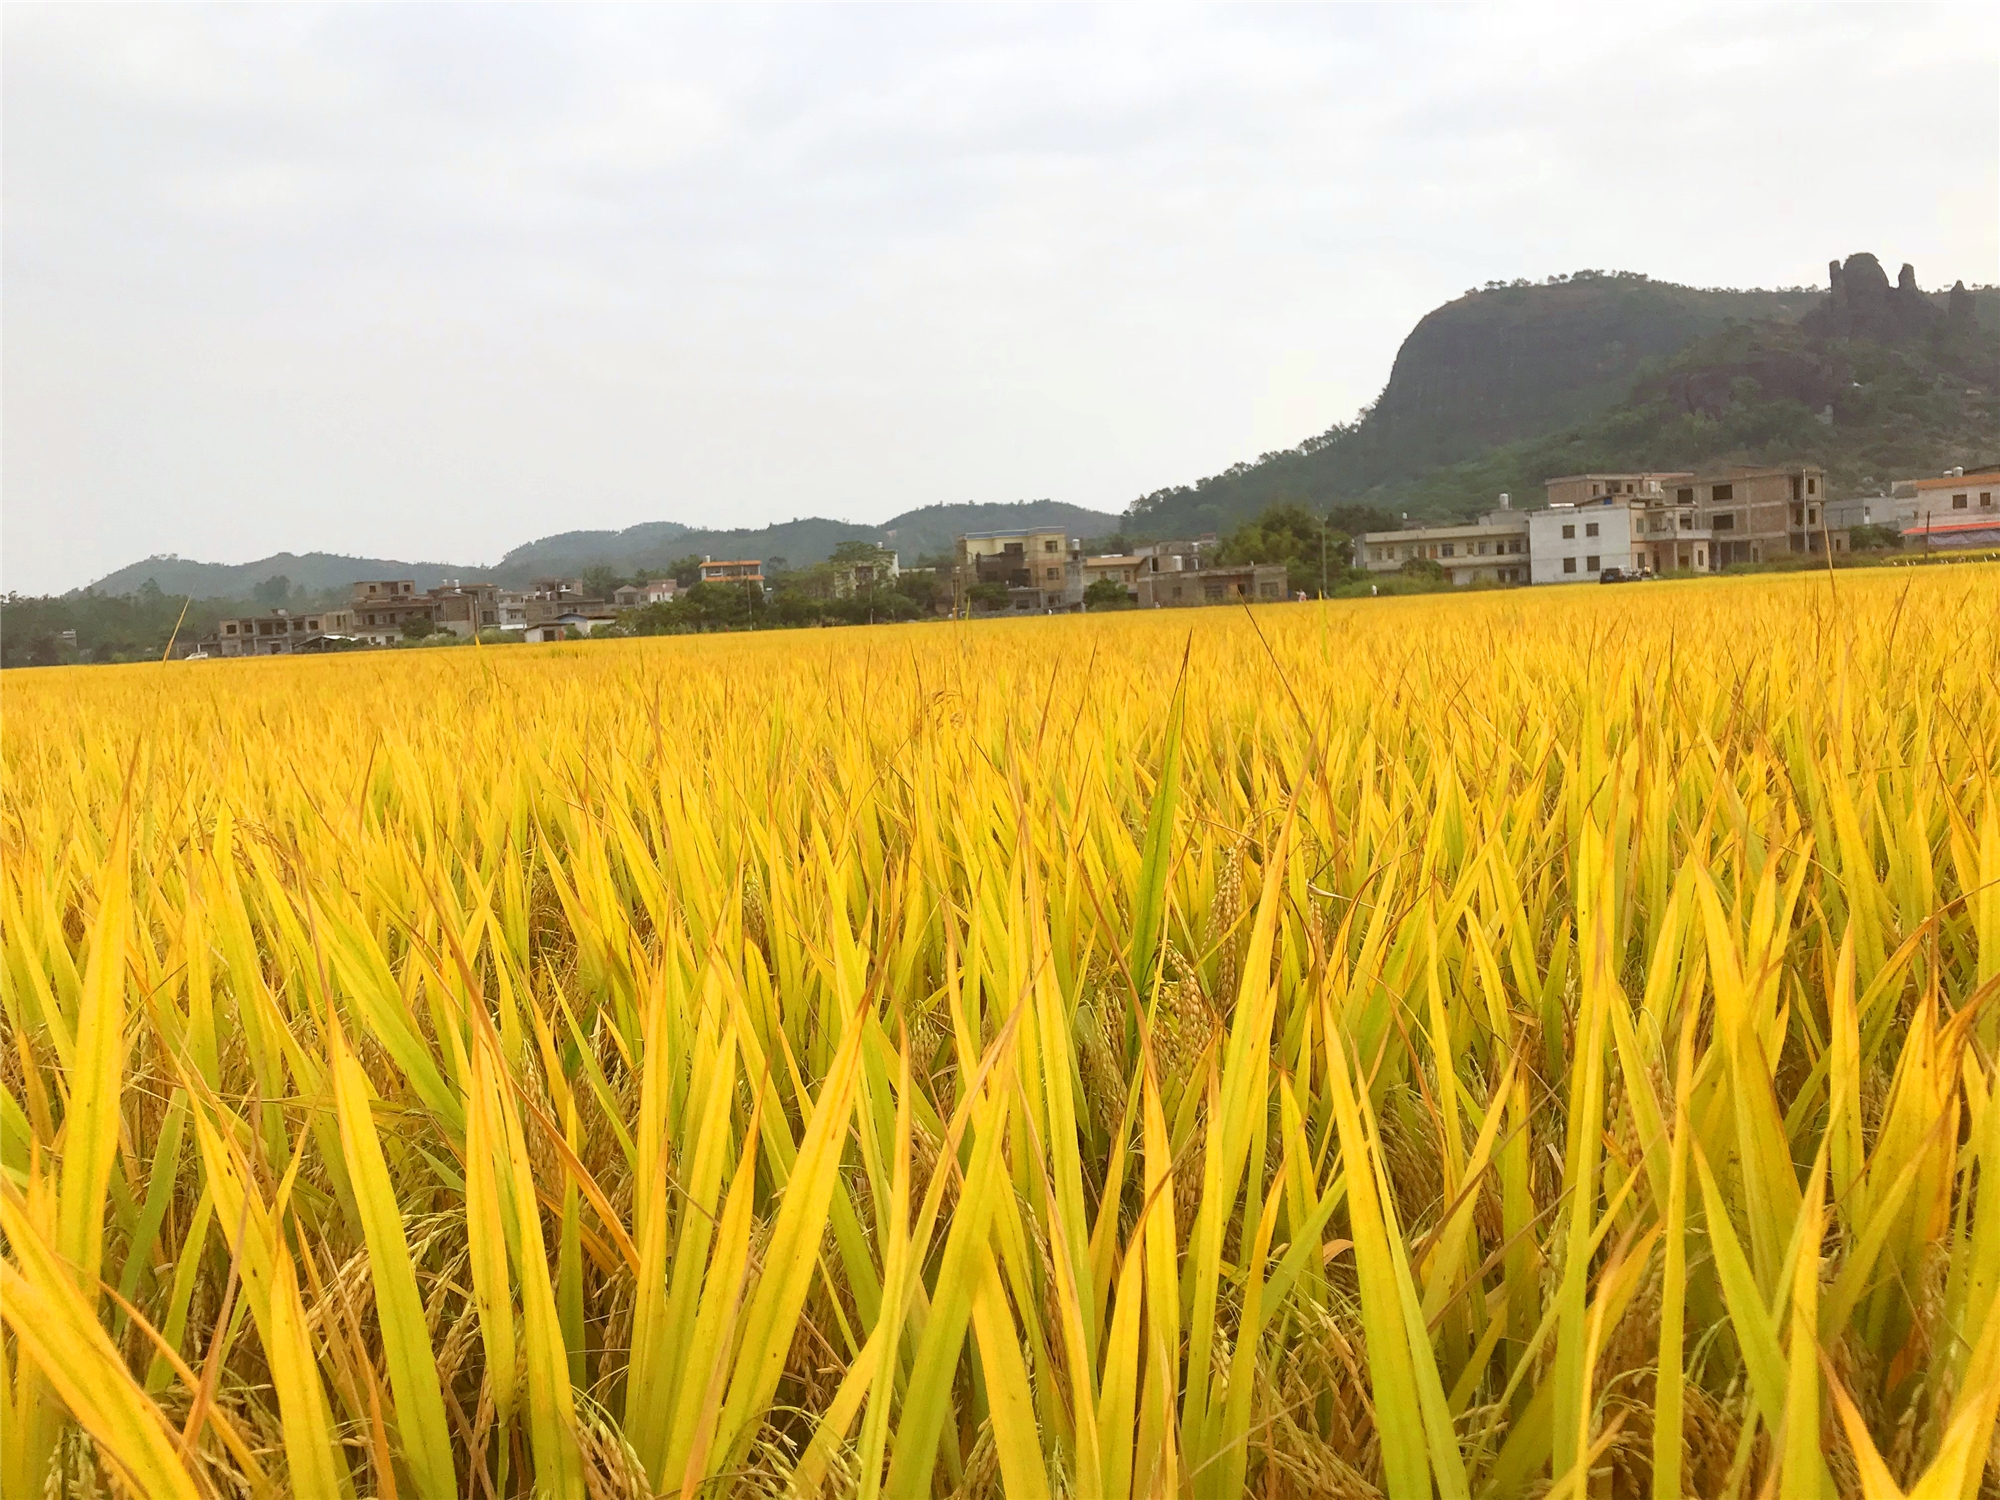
[{"x": 1580, "y": 543}]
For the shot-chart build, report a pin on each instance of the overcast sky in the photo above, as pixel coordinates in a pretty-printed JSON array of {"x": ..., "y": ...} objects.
[{"x": 431, "y": 282}]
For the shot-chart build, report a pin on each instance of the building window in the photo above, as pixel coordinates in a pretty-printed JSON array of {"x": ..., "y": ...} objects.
[
  {"x": 1590, "y": 563},
  {"x": 1724, "y": 522},
  {"x": 1686, "y": 496},
  {"x": 1597, "y": 489},
  {"x": 1590, "y": 528},
  {"x": 1049, "y": 545},
  {"x": 229, "y": 629},
  {"x": 1812, "y": 515},
  {"x": 1958, "y": 502},
  {"x": 1812, "y": 486},
  {"x": 1569, "y": 533},
  {"x": 1569, "y": 565},
  {"x": 1052, "y": 573},
  {"x": 1722, "y": 492},
  {"x": 1447, "y": 549},
  {"x": 1985, "y": 499}
]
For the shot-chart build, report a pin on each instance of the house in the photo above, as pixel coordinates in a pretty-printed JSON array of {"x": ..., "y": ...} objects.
[
  {"x": 1956, "y": 497},
  {"x": 279, "y": 633},
  {"x": 465, "y": 609},
  {"x": 1893, "y": 511},
  {"x": 1579, "y": 543},
  {"x": 1755, "y": 514},
  {"x": 1955, "y": 511},
  {"x": 513, "y": 608},
  {"x": 1492, "y": 549},
  {"x": 382, "y": 607},
  {"x": 1226, "y": 583},
  {"x": 549, "y": 599},
  {"x": 1121, "y": 568},
  {"x": 1041, "y": 570},
  {"x": 1576, "y": 489},
  {"x": 582, "y": 619},
  {"x": 639, "y": 595},
  {"x": 750, "y": 570},
  {"x": 859, "y": 573}
]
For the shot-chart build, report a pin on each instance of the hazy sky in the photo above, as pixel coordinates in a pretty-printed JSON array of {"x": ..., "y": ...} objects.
[{"x": 431, "y": 282}]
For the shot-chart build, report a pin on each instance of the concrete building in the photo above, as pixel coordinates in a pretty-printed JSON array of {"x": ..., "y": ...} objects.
[
  {"x": 1579, "y": 489},
  {"x": 1579, "y": 543},
  {"x": 1894, "y": 511},
  {"x": 1041, "y": 570},
  {"x": 279, "y": 633},
  {"x": 859, "y": 574},
  {"x": 465, "y": 609},
  {"x": 1755, "y": 514},
  {"x": 1955, "y": 497},
  {"x": 1224, "y": 583},
  {"x": 513, "y": 607},
  {"x": 742, "y": 570},
  {"x": 381, "y": 607},
  {"x": 1492, "y": 549},
  {"x": 582, "y": 619},
  {"x": 638, "y": 595},
  {"x": 549, "y": 599},
  {"x": 1119, "y": 567}
]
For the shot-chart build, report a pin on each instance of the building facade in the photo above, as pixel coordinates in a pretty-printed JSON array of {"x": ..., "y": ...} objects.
[
  {"x": 465, "y": 609},
  {"x": 1492, "y": 549},
  {"x": 1580, "y": 543},
  {"x": 1040, "y": 570},
  {"x": 1955, "y": 497},
  {"x": 1755, "y": 514},
  {"x": 1223, "y": 583},
  {"x": 740, "y": 570},
  {"x": 381, "y": 607},
  {"x": 279, "y": 633},
  {"x": 1580, "y": 489}
]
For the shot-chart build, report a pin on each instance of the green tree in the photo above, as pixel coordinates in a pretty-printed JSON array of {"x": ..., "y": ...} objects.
[
  {"x": 685, "y": 571},
  {"x": 601, "y": 580},
  {"x": 1307, "y": 546},
  {"x": 1873, "y": 538},
  {"x": 1106, "y": 593},
  {"x": 271, "y": 593},
  {"x": 418, "y": 626}
]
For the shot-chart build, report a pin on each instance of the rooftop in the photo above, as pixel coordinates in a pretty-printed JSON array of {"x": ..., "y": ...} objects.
[{"x": 1957, "y": 481}]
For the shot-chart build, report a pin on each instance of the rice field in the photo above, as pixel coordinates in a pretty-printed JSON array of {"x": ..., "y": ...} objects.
[{"x": 1497, "y": 1046}]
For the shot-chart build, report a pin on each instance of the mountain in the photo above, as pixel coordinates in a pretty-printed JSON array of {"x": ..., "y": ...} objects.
[
  {"x": 913, "y": 534},
  {"x": 1876, "y": 383},
  {"x": 312, "y": 572},
  {"x": 653, "y": 544},
  {"x": 1483, "y": 383}
]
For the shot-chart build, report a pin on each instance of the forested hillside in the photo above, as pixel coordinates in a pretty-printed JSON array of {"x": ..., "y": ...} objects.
[{"x": 1505, "y": 386}]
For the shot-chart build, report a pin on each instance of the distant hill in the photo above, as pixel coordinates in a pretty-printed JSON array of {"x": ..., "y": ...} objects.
[
  {"x": 313, "y": 572},
  {"x": 1496, "y": 371},
  {"x": 915, "y": 533},
  {"x": 653, "y": 544}
]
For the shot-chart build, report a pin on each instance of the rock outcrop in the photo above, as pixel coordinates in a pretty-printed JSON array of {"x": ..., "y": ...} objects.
[{"x": 1862, "y": 304}]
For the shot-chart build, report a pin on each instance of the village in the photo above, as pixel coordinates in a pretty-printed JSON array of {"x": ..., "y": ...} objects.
[{"x": 1598, "y": 527}]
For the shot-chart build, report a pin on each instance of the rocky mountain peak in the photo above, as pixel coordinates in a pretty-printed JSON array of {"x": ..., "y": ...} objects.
[{"x": 1862, "y": 304}]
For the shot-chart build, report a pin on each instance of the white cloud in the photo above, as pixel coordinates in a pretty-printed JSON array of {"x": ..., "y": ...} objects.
[{"x": 428, "y": 281}]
